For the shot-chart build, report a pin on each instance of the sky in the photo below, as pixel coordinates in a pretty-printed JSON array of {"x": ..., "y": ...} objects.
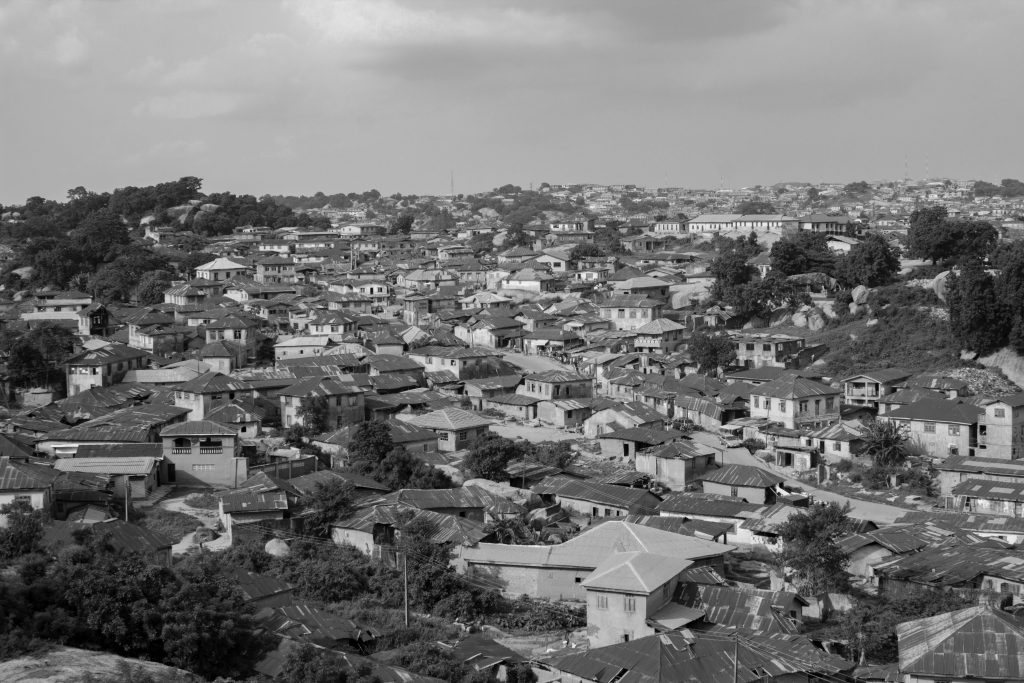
[{"x": 299, "y": 96}]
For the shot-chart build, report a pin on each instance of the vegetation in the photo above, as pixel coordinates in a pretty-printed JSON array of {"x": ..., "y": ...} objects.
[
  {"x": 803, "y": 252},
  {"x": 711, "y": 352},
  {"x": 1008, "y": 188},
  {"x": 373, "y": 453},
  {"x": 490, "y": 454},
  {"x": 935, "y": 236},
  {"x": 870, "y": 628},
  {"x": 171, "y": 523},
  {"x": 810, "y": 549},
  {"x": 327, "y": 503},
  {"x": 872, "y": 262}
]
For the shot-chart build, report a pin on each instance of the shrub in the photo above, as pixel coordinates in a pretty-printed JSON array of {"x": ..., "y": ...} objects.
[
  {"x": 171, "y": 523},
  {"x": 844, "y": 466},
  {"x": 202, "y": 501},
  {"x": 856, "y": 478},
  {"x": 753, "y": 445}
]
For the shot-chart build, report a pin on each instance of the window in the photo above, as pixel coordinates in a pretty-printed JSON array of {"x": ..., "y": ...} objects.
[
  {"x": 337, "y": 401},
  {"x": 757, "y": 401},
  {"x": 803, "y": 406},
  {"x": 461, "y": 436},
  {"x": 837, "y": 446},
  {"x": 929, "y": 428},
  {"x": 578, "y": 579},
  {"x": 622, "y": 313},
  {"x": 830, "y": 403},
  {"x": 750, "y": 347},
  {"x": 766, "y": 347},
  {"x": 1000, "y": 412},
  {"x": 954, "y": 430},
  {"x": 23, "y": 499},
  {"x": 442, "y": 436},
  {"x": 602, "y": 602},
  {"x": 782, "y": 406},
  {"x": 734, "y": 492},
  {"x": 203, "y": 468},
  {"x": 629, "y": 603}
]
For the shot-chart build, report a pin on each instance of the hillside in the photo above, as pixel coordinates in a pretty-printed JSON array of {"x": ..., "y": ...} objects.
[{"x": 71, "y": 665}]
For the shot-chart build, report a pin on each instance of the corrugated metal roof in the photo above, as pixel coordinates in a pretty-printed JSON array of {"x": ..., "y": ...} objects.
[
  {"x": 634, "y": 500},
  {"x": 106, "y": 465},
  {"x": 451, "y": 418},
  {"x": 20, "y": 476},
  {"x": 990, "y": 490},
  {"x": 245, "y": 501},
  {"x": 974, "y": 643},
  {"x": 743, "y": 475},
  {"x": 753, "y": 609}
]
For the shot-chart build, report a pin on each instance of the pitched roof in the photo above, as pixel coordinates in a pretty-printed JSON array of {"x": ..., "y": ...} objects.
[
  {"x": 747, "y": 608},
  {"x": 743, "y": 475},
  {"x": 793, "y": 387},
  {"x": 937, "y": 410},
  {"x": 451, "y": 419},
  {"x": 635, "y": 572},
  {"x": 977, "y": 643},
  {"x": 633, "y": 499},
  {"x": 198, "y": 428},
  {"x": 213, "y": 382},
  {"x": 112, "y": 353},
  {"x": 21, "y": 476}
]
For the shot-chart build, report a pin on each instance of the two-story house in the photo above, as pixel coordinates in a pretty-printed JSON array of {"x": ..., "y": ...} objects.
[
  {"x": 275, "y": 270},
  {"x": 626, "y": 590},
  {"x": 221, "y": 269},
  {"x": 660, "y": 337},
  {"x": 630, "y": 312},
  {"x": 556, "y": 384},
  {"x": 236, "y": 329},
  {"x": 866, "y": 388},
  {"x": 795, "y": 402},
  {"x": 102, "y": 367},
  {"x": 939, "y": 427},
  {"x": 460, "y": 361},
  {"x": 203, "y": 453},
  {"x": 772, "y": 350},
  {"x": 344, "y": 402},
  {"x": 1001, "y": 428},
  {"x": 210, "y": 391}
]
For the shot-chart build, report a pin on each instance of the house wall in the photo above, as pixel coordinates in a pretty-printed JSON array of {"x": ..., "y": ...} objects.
[
  {"x": 587, "y": 507},
  {"x": 675, "y": 473},
  {"x": 938, "y": 442},
  {"x": 615, "y": 617},
  {"x": 748, "y": 493},
  {"x": 206, "y": 469},
  {"x": 862, "y": 562},
  {"x": 351, "y": 411},
  {"x": 1003, "y": 431},
  {"x": 545, "y": 583},
  {"x": 360, "y": 540},
  {"x": 818, "y": 410},
  {"x": 514, "y": 411},
  {"x": 39, "y": 499},
  {"x": 613, "y": 448},
  {"x": 450, "y": 441},
  {"x": 550, "y": 414}
]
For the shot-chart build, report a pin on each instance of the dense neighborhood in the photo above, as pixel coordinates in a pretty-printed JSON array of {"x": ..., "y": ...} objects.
[{"x": 574, "y": 433}]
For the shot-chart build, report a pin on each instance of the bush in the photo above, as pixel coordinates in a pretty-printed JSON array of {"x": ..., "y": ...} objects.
[
  {"x": 202, "y": 501},
  {"x": 856, "y": 478},
  {"x": 171, "y": 523},
  {"x": 844, "y": 466},
  {"x": 753, "y": 445}
]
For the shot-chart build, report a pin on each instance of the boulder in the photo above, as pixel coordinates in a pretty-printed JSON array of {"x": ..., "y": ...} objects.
[
  {"x": 277, "y": 548},
  {"x": 855, "y": 308},
  {"x": 860, "y": 294},
  {"x": 816, "y": 320},
  {"x": 800, "y": 318}
]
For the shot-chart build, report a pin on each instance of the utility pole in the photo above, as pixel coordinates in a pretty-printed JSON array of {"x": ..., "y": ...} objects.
[
  {"x": 735, "y": 658},
  {"x": 405, "y": 581},
  {"x": 127, "y": 488}
]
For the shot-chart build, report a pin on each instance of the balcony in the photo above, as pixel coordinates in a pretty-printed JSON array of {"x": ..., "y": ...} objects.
[
  {"x": 211, "y": 450},
  {"x": 181, "y": 451}
]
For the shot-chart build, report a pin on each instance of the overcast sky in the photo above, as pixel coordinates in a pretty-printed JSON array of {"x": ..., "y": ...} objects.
[{"x": 296, "y": 96}]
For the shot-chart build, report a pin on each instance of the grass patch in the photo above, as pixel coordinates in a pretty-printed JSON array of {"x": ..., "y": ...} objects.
[
  {"x": 171, "y": 523},
  {"x": 202, "y": 501}
]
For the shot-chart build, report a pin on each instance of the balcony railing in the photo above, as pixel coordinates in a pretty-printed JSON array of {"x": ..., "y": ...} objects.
[
  {"x": 181, "y": 451},
  {"x": 210, "y": 451}
]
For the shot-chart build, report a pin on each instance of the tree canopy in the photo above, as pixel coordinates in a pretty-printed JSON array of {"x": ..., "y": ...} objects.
[
  {"x": 872, "y": 263},
  {"x": 810, "y": 549},
  {"x": 803, "y": 252},
  {"x": 711, "y": 352}
]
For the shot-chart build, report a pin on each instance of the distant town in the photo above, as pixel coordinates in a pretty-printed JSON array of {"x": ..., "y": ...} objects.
[{"x": 576, "y": 433}]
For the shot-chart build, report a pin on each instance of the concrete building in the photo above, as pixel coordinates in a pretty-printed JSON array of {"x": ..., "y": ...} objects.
[{"x": 203, "y": 453}]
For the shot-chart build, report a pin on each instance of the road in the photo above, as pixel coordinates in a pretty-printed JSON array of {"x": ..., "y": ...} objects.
[
  {"x": 534, "y": 363},
  {"x": 879, "y": 513}
]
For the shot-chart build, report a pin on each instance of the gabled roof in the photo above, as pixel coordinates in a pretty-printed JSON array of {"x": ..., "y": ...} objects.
[
  {"x": 320, "y": 386},
  {"x": 979, "y": 642},
  {"x": 937, "y": 410},
  {"x": 557, "y": 376},
  {"x": 743, "y": 475},
  {"x": 794, "y": 387},
  {"x": 213, "y": 382},
  {"x": 113, "y": 353},
  {"x": 198, "y": 428},
  {"x": 633, "y": 499},
  {"x": 635, "y": 572},
  {"x": 885, "y": 375},
  {"x": 451, "y": 419},
  {"x": 20, "y": 476},
  {"x": 747, "y": 608},
  {"x": 660, "y": 326}
]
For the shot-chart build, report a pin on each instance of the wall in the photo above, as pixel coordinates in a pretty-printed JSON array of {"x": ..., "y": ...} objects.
[
  {"x": 749, "y": 494},
  {"x": 201, "y": 469},
  {"x": 614, "y": 623},
  {"x": 586, "y": 507},
  {"x": 537, "y": 582}
]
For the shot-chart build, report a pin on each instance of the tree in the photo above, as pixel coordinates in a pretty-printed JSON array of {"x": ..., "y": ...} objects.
[
  {"x": 23, "y": 533},
  {"x": 933, "y": 235},
  {"x": 870, "y": 627},
  {"x": 711, "y": 352},
  {"x": 885, "y": 442},
  {"x": 558, "y": 454},
  {"x": 429, "y": 659},
  {"x": 490, "y": 454},
  {"x": 314, "y": 413},
  {"x": 403, "y": 224},
  {"x": 152, "y": 286},
  {"x": 99, "y": 236},
  {"x": 581, "y": 251},
  {"x": 731, "y": 270},
  {"x": 512, "y": 531},
  {"x": 872, "y": 263},
  {"x": 802, "y": 252},
  {"x": 308, "y": 664},
  {"x": 326, "y": 504},
  {"x": 810, "y": 549},
  {"x": 977, "y": 318},
  {"x": 755, "y": 206},
  {"x": 369, "y": 445}
]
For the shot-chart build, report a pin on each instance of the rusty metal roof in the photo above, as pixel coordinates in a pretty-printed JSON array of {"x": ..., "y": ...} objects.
[{"x": 979, "y": 642}]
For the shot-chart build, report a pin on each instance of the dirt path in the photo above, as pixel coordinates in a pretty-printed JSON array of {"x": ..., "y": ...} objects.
[
  {"x": 533, "y": 434},
  {"x": 208, "y": 518}
]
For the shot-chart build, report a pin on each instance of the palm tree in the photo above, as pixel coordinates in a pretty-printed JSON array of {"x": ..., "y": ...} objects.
[
  {"x": 885, "y": 442},
  {"x": 512, "y": 531}
]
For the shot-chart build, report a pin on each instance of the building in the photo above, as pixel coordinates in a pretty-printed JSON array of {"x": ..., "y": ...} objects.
[
  {"x": 102, "y": 367},
  {"x": 676, "y": 464},
  {"x": 795, "y": 402},
  {"x": 865, "y": 389},
  {"x": 1001, "y": 428},
  {"x": 221, "y": 269},
  {"x": 210, "y": 391},
  {"x": 980, "y": 644},
  {"x": 659, "y": 337},
  {"x": 460, "y": 361},
  {"x": 556, "y": 384},
  {"x": 202, "y": 453},
  {"x": 939, "y": 427},
  {"x": 772, "y": 350},
  {"x": 594, "y": 499},
  {"x": 630, "y": 312},
  {"x": 828, "y": 225},
  {"x": 557, "y": 572},
  {"x": 26, "y": 482},
  {"x": 344, "y": 402},
  {"x": 456, "y": 429},
  {"x": 749, "y": 484}
]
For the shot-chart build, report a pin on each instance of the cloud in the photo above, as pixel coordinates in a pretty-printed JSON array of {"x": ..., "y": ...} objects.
[
  {"x": 189, "y": 104},
  {"x": 70, "y": 49}
]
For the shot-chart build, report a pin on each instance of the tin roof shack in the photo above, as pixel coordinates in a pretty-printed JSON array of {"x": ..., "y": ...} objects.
[
  {"x": 960, "y": 468},
  {"x": 676, "y": 464},
  {"x": 581, "y": 497},
  {"x": 709, "y": 507},
  {"x": 557, "y": 572},
  {"x": 136, "y": 474},
  {"x": 466, "y": 502},
  {"x": 1008, "y": 529},
  {"x": 978, "y": 643},
  {"x": 965, "y": 568},
  {"x": 249, "y": 506},
  {"x": 750, "y": 484},
  {"x": 707, "y": 657},
  {"x": 742, "y": 607},
  {"x": 27, "y": 482}
]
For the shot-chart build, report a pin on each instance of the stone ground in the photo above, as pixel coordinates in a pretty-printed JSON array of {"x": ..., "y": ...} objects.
[
  {"x": 208, "y": 518},
  {"x": 71, "y": 665}
]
